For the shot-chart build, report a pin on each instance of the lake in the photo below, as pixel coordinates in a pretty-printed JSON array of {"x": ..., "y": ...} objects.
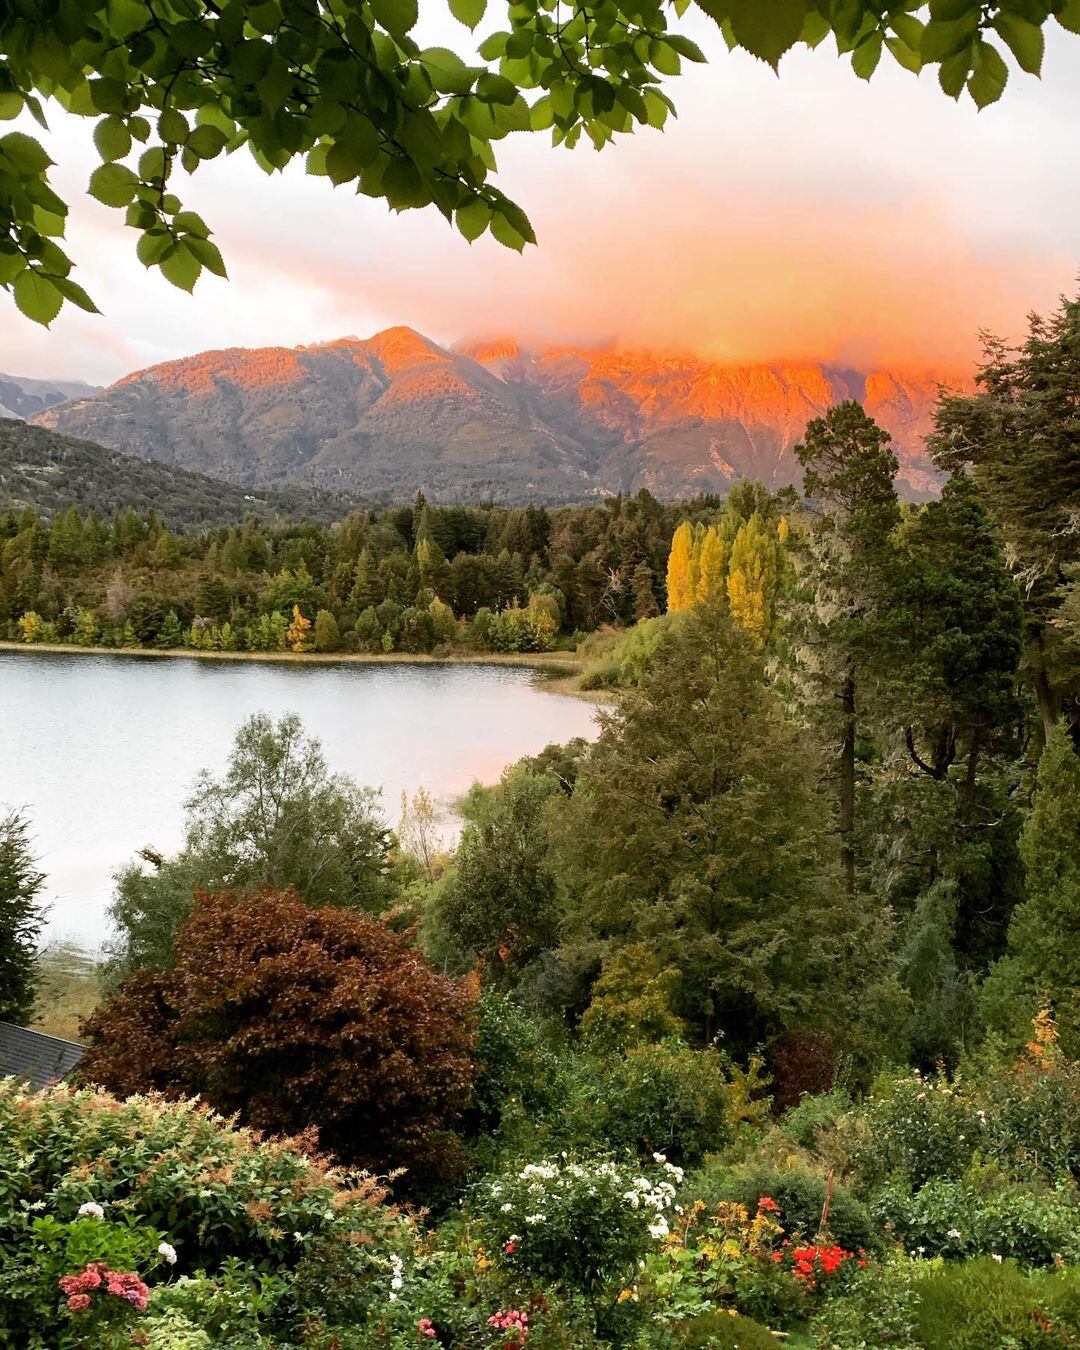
[{"x": 101, "y": 750}]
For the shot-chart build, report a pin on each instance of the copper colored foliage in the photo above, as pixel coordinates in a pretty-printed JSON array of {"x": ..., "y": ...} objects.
[
  {"x": 801, "y": 1061},
  {"x": 293, "y": 1017}
]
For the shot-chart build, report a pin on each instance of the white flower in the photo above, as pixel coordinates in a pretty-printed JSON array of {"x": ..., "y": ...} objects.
[
  {"x": 167, "y": 1252},
  {"x": 658, "y": 1228},
  {"x": 954, "y": 1233},
  {"x": 994, "y": 1256},
  {"x": 659, "y": 1157},
  {"x": 507, "y": 1207},
  {"x": 91, "y": 1211},
  {"x": 534, "y": 1219}
]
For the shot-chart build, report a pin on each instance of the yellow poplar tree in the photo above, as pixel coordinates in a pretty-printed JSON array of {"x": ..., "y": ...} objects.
[
  {"x": 710, "y": 587},
  {"x": 752, "y": 577},
  {"x": 695, "y": 562},
  {"x": 299, "y": 631},
  {"x": 678, "y": 568}
]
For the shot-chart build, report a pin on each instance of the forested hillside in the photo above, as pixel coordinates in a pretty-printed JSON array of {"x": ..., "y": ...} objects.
[{"x": 52, "y": 473}]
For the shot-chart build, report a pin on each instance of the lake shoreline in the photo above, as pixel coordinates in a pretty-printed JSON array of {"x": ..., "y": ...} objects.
[{"x": 557, "y": 671}]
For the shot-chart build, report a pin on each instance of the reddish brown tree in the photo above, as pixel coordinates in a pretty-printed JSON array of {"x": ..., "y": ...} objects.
[{"x": 292, "y": 1017}]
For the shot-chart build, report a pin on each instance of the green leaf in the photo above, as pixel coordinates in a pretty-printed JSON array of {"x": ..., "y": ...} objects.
[
  {"x": 112, "y": 138},
  {"x": 113, "y": 184},
  {"x": 904, "y": 55},
  {"x": 11, "y": 105},
  {"x": 989, "y": 76},
  {"x": 71, "y": 290},
  {"x": 1069, "y": 16},
  {"x": 207, "y": 253},
  {"x": 1025, "y": 40},
  {"x": 206, "y": 141},
  {"x": 505, "y": 233},
  {"x": 685, "y": 47},
  {"x": 37, "y": 297},
  {"x": 449, "y": 73},
  {"x": 496, "y": 89},
  {"x": 908, "y": 29},
  {"x": 152, "y": 245},
  {"x": 11, "y": 264},
  {"x": 181, "y": 267},
  {"x": 109, "y": 95},
  {"x": 472, "y": 219},
  {"x": 947, "y": 37},
  {"x": 767, "y": 28},
  {"x": 865, "y": 57},
  {"x": 953, "y": 73},
  {"x": 24, "y": 152},
  {"x": 468, "y": 12},
  {"x": 173, "y": 126},
  {"x": 396, "y": 16}
]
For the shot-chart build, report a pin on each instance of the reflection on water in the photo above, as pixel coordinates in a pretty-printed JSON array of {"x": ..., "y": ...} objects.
[{"x": 101, "y": 750}]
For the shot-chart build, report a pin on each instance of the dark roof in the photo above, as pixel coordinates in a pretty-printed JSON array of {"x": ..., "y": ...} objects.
[{"x": 38, "y": 1058}]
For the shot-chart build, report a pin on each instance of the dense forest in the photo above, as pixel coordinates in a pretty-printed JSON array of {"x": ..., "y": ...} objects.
[{"x": 757, "y": 1016}]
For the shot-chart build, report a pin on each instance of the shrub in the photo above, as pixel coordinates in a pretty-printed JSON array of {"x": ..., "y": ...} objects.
[
  {"x": 800, "y": 1193},
  {"x": 297, "y": 1017},
  {"x": 667, "y": 1098},
  {"x": 987, "y": 1303},
  {"x": 915, "y": 1129},
  {"x": 951, "y": 1219},
  {"x": 721, "y": 1331},
  {"x": 881, "y": 1312},
  {"x": 814, "y": 1115},
  {"x": 172, "y": 1172},
  {"x": 577, "y": 1224}
]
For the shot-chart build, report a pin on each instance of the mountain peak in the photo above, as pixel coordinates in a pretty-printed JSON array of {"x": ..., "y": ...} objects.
[{"x": 491, "y": 418}]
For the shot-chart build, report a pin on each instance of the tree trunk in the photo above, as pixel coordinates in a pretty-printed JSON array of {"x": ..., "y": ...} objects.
[{"x": 847, "y": 782}]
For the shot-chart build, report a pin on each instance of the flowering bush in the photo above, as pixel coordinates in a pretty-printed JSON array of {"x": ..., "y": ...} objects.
[
  {"x": 916, "y": 1129},
  {"x": 578, "y": 1224}
]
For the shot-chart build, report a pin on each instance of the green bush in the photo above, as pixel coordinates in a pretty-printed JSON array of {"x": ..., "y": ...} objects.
[
  {"x": 667, "y": 1098},
  {"x": 800, "y": 1193},
  {"x": 815, "y": 1113},
  {"x": 881, "y": 1312},
  {"x": 914, "y": 1129},
  {"x": 579, "y": 1225},
  {"x": 1031, "y": 1120},
  {"x": 954, "y": 1220},
  {"x": 721, "y": 1331},
  {"x": 983, "y": 1304}
]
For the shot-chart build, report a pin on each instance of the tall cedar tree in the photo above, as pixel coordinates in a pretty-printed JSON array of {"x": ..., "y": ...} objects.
[
  {"x": 21, "y": 918},
  {"x": 848, "y": 473},
  {"x": 297, "y": 1017},
  {"x": 694, "y": 829},
  {"x": 1019, "y": 434}
]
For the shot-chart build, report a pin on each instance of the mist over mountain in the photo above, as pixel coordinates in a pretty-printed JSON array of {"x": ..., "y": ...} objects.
[
  {"x": 22, "y": 397},
  {"x": 384, "y": 416}
]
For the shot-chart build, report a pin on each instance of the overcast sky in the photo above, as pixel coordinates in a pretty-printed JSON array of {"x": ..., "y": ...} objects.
[{"x": 810, "y": 217}]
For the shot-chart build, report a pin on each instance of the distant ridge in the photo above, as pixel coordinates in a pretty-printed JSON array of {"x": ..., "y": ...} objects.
[
  {"x": 386, "y": 415},
  {"x": 51, "y": 472}
]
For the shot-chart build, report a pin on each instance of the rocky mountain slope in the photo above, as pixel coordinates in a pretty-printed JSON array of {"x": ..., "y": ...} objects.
[{"x": 395, "y": 412}]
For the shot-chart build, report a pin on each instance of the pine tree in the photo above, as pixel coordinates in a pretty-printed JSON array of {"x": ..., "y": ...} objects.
[
  {"x": 679, "y": 595},
  {"x": 21, "y": 920},
  {"x": 848, "y": 482},
  {"x": 366, "y": 592},
  {"x": 170, "y": 633},
  {"x": 641, "y": 584},
  {"x": 327, "y": 636}
]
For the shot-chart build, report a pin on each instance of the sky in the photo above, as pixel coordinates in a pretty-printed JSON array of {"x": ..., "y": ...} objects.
[{"x": 806, "y": 217}]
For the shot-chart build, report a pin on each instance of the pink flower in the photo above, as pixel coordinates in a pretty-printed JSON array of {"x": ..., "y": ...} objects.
[
  {"x": 79, "y": 1302},
  {"x": 425, "y": 1327}
]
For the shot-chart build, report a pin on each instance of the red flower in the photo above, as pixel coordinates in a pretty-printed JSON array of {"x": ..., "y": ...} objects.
[{"x": 768, "y": 1205}]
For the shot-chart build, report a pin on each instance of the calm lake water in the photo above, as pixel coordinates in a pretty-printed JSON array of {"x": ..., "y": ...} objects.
[{"x": 102, "y": 750}]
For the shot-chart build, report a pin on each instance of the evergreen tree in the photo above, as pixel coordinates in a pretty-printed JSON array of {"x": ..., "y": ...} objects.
[
  {"x": 21, "y": 920},
  {"x": 1018, "y": 433},
  {"x": 641, "y": 584},
  {"x": 1043, "y": 963},
  {"x": 694, "y": 827},
  {"x": 848, "y": 484},
  {"x": 327, "y": 636}
]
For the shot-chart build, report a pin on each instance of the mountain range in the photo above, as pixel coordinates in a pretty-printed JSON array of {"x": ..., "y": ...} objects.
[
  {"x": 21, "y": 397},
  {"x": 384, "y": 416}
]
